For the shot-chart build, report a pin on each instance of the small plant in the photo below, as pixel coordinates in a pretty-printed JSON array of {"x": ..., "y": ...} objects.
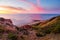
[
  {"x": 1, "y": 29},
  {"x": 40, "y": 34},
  {"x": 22, "y": 38},
  {"x": 12, "y": 36},
  {"x": 1, "y": 35}
]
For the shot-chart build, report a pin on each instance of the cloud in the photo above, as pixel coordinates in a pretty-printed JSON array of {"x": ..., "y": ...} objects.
[
  {"x": 16, "y": 6},
  {"x": 9, "y": 10},
  {"x": 14, "y": 10},
  {"x": 23, "y": 7}
]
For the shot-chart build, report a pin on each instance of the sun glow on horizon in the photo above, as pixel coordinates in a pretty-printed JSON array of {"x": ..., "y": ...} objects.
[
  {"x": 3, "y": 10},
  {"x": 9, "y": 10}
]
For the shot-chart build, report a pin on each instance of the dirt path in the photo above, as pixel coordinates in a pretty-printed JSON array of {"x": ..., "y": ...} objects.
[{"x": 51, "y": 37}]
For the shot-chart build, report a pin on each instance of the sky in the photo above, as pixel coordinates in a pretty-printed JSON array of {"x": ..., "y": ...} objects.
[
  {"x": 25, "y": 11},
  {"x": 29, "y": 6},
  {"x": 22, "y": 19}
]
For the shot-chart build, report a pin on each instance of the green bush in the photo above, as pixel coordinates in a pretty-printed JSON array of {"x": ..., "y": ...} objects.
[
  {"x": 1, "y": 29},
  {"x": 22, "y": 38},
  {"x": 1, "y": 35},
  {"x": 40, "y": 34},
  {"x": 57, "y": 28},
  {"x": 12, "y": 36}
]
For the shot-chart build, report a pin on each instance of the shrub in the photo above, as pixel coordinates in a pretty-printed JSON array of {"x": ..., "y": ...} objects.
[
  {"x": 40, "y": 34},
  {"x": 22, "y": 38},
  {"x": 1, "y": 29},
  {"x": 12, "y": 36}
]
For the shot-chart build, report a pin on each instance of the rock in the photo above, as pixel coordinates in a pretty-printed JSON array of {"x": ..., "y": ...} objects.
[{"x": 6, "y": 21}]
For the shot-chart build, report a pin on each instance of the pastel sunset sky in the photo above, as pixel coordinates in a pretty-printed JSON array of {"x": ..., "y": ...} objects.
[{"x": 29, "y": 6}]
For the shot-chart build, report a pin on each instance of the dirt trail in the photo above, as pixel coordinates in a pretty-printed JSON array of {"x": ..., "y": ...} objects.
[{"x": 51, "y": 37}]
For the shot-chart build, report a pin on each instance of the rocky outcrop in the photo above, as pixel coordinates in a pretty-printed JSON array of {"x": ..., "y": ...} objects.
[
  {"x": 6, "y": 21},
  {"x": 7, "y": 24}
]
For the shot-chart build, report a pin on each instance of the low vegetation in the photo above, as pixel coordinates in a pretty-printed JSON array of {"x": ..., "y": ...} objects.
[{"x": 36, "y": 30}]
